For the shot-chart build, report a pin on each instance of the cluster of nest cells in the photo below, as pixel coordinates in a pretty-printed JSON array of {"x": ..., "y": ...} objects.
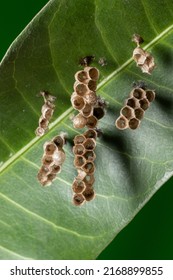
[
  {"x": 52, "y": 160},
  {"x": 143, "y": 59},
  {"x": 46, "y": 113},
  {"x": 84, "y": 156},
  {"x": 85, "y": 100},
  {"x": 135, "y": 107}
]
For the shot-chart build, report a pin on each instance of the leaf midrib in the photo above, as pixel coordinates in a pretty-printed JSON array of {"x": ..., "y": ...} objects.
[{"x": 69, "y": 110}]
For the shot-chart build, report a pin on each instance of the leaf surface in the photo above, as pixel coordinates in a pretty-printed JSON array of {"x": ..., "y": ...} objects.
[{"x": 42, "y": 223}]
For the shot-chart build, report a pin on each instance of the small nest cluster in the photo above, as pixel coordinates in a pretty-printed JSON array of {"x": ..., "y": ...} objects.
[
  {"x": 143, "y": 58},
  {"x": 84, "y": 145},
  {"x": 85, "y": 100},
  {"x": 46, "y": 113},
  {"x": 134, "y": 109},
  {"x": 52, "y": 160}
]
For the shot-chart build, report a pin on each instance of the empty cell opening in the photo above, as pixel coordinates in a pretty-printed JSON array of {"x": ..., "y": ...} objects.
[
  {"x": 89, "y": 144},
  {"x": 47, "y": 160},
  {"x": 87, "y": 110},
  {"x": 138, "y": 93},
  {"x": 131, "y": 102},
  {"x": 89, "y": 167},
  {"x": 133, "y": 123},
  {"x": 78, "y": 199},
  {"x": 89, "y": 194},
  {"x": 98, "y": 112},
  {"x": 150, "y": 95},
  {"x": 89, "y": 180},
  {"x": 91, "y": 133},
  {"x": 78, "y": 102},
  {"x": 139, "y": 113},
  {"x": 51, "y": 176},
  {"x": 93, "y": 73},
  {"x": 78, "y": 149},
  {"x": 81, "y": 89},
  {"x": 79, "y": 139},
  {"x": 121, "y": 123},
  {"x": 90, "y": 155},
  {"x": 81, "y": 76},
  {"x": 43, "y": 123},
  {"x": 92, "y": 85},
  {"x": 127, "y": 112},
  {"x": 91, "y": 122},
  {"x": 59, "y": 141},
  {"x": 79, "y": 161},
  {"x": 56, "y": 169},
  {"x": 144, "y": 104},
  {"x": 78, "y": 186},
  {"x": 50, "y": 148}
]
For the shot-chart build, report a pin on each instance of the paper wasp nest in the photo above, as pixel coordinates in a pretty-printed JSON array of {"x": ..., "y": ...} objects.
[
  {"x": 143, "y": 58},
  {"x": 84, "y": 145},
  {"x": 52, "y": 160},
  {"x": 46, "y": 113},
  {"x": 85, "y": 100},
  {"x": 134, "y": 109}
]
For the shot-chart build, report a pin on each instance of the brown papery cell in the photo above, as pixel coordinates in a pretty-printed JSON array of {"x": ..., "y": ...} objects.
[
  {"x": 79, "y": 149},
  {"x": 92, "y": 85},
  {"x": 138, "y": 93},
  {"x": 89, "y": 193},
  {"x": 134, "y": 123},
  {"x": 132, "y": 102},
  {"x": 47, "y": 160},
  {"x": 82, "y": 76},
  {"x": 122, "y": 123},
  {"x": 78, "y": 102},
  {"x": 49, "y": 148},
  {"x": 79, "y": 161},
  {"x": 92, "y": 73},
  {"x": 78, "y": 199},
  {"x": 127, "y": 112},
  {"x": 150, "y": 95},
  {"x": 91, "y": 122},
  {"x": 80, "y": 88},
  {"x": 60, "y": 140},
  {"x": 78, "y": 186},
  {"x": 90, "y": 133},
  {"x": 89, "y": 168},
  {"x": 89, "y": 180},
  {"x": 90, "y": 156},
  {"x": 79, "y": 139},
  {"x": 87, "y": 110},
  {"x": 139, "y": 113},
  {"x": 144, "y": 104},
  {"x": 89, "y": 144}
]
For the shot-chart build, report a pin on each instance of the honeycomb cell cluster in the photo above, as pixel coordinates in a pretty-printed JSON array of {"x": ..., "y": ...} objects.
[
  {"x": 85, "y": 100},
  {"x": 52, "y": 160},
  {"x": 84, "y": 156},
  {"x": 46, "y": 113},
  {"x": 142, "y": 58},
  {"x": 134, "y": 109}
]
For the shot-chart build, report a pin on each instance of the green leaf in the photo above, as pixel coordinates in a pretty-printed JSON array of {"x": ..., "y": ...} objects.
[{"x": 42, "y": 223}]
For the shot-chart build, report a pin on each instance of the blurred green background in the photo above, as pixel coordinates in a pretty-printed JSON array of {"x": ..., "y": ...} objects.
[{"x": 150, "y": 234}]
